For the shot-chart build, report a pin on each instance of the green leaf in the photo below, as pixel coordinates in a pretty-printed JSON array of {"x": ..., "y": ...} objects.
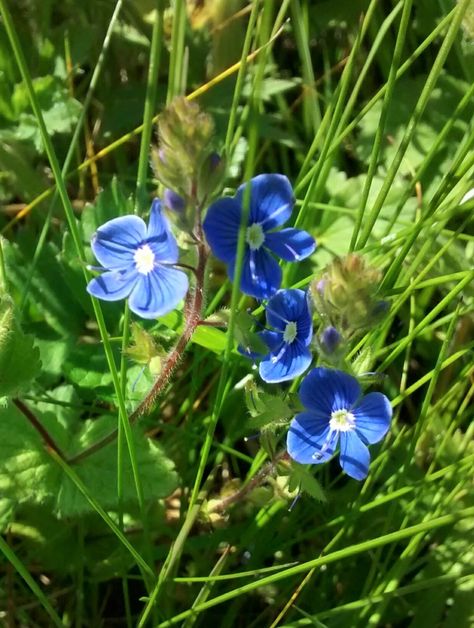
[
  {"x": 87, "y": 367},
  {"x": 443, "y": 101},
  {"x": 29, "y": 475},
  {"x": 210, "y": 338},
  {"x": 51, "y": 297},
  {"x": 110, "y": 203},
  {"x": 60, "y": 111},
  {"x": 99, "y": 471},
  {"x": 19, "y": 358},
  {"x": 6, "y": 513},
  {"x": 267, "y": 411},
  {"x": 301, "y": 478}
]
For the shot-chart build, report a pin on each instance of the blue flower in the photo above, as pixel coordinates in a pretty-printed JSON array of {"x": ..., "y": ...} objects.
[
  {"x": 288, "y": 313},
  {"x": 335, "y": 410},
  {"x": 138, "y": 264},
  {"x": 271, "y": 203}
]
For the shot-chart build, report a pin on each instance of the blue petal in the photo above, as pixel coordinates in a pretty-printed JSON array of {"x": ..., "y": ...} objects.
[
  {"x": 290, "y": 244},
  {"x": 328, "y": 390},
  {"x": 261, "y": 274},
  {"x": 372, "y": 417},
  {"x": 291, "y": 305},
  {"x": 292, "y": 360},
  {"x": 115, "y": 242},
  {"x": 307, "y": 435},
  {"x": 159, "y": 236},
  {"x": 271, "y": 200},
  {"x": 158, "y": 292},
  {"x": 221, "y": 227},
  {"x": 272, "y": 339},
  {"x": 355, "y": 456},
  {"x": 113, "y": 285}
]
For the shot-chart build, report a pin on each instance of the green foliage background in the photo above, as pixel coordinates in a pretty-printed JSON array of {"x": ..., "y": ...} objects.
[{"x": 368, "y": 108}]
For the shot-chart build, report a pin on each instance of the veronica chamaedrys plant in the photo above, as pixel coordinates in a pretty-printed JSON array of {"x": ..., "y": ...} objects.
[
  {"x": 138, "y": 264},
  {"x": 288, "y": 342},
  {"x": 335, "y": 412},
  {"x": 271, "y": 204}
]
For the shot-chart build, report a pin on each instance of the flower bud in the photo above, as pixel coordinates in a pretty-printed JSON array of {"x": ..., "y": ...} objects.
[
  {"x": 173, "y": 201},
  {"x": 345, "y": 294},
  {"x": 185, "y": 162},
  {"x": 330, "y": 340}
]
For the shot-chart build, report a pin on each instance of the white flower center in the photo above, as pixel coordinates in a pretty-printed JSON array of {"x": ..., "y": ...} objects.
[
  {"x": 290, "y": 332},
  {"x": 342, "y": 421},
  {"x": 144, "y": 259},
  {"x": 255, "y": 236}
]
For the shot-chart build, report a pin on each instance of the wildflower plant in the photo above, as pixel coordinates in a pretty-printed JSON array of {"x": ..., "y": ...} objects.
[{"x": 182, "y": 357}]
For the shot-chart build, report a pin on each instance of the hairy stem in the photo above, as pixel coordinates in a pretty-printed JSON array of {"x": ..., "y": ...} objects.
[
  {"x": 193, "y": 313},
  {"x": 42, "y": 431}
]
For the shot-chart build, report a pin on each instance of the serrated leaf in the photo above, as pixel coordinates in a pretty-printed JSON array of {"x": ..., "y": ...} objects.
[
  {"x": 301, "y": 478},
  {"x": 60, "y": 111},
  {"x": 143, "y": 349},
  {"x": 99, "y": 472},
  {"x": 19, "y": 358},
  {"x": 29, "y": 475},
  {"x": 267, "y": 411},
  {"x": 51, "y": 297},
  {"x": 246, "y": 337}
]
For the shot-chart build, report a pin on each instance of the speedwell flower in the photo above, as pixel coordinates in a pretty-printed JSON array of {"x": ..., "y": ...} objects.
[
  {"x": 271, "y": 203},
  {"x": 288, "y": 313},
  {"x": 336, "y": 411},
  {"x": 138, "y": 264}
]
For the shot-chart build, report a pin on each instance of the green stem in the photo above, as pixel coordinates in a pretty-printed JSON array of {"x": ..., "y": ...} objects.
[
  {"x": 150, "y": 105},
  {"x": 386, "y": 104},
  {"x": 347, "y": 552},
  {"x": 3, "y": 270},
  {"x": 413, "y": 122},
  {"x": 23, "y": 571}
]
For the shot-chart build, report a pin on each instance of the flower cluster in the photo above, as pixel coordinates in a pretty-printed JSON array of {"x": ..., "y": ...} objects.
[{"x": 140, "y": 262}]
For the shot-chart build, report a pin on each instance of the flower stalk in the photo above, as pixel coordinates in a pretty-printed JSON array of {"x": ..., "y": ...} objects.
[
  {"x": 193, "y": 311},
  {"x": 48, "y": 440}
]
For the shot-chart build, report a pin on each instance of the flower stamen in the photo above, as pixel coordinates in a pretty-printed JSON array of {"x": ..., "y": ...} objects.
[
  {"x": 144, "y": 259},
  {"x": 255, "y": 236},
  {"x": 290, "y": 332},
  {"x": 342, "y": 421}
]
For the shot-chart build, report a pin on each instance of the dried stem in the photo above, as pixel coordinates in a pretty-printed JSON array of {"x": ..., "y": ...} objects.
[
  {"x": 193, "y": 312},
  {"x": 42, "y": 431}
]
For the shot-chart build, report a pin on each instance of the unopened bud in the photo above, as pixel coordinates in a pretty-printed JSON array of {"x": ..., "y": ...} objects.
[
  {"x": 345, "y": 294},
  {"x": 330, "y": 340},
  {"x": 173, "y": 201}
]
